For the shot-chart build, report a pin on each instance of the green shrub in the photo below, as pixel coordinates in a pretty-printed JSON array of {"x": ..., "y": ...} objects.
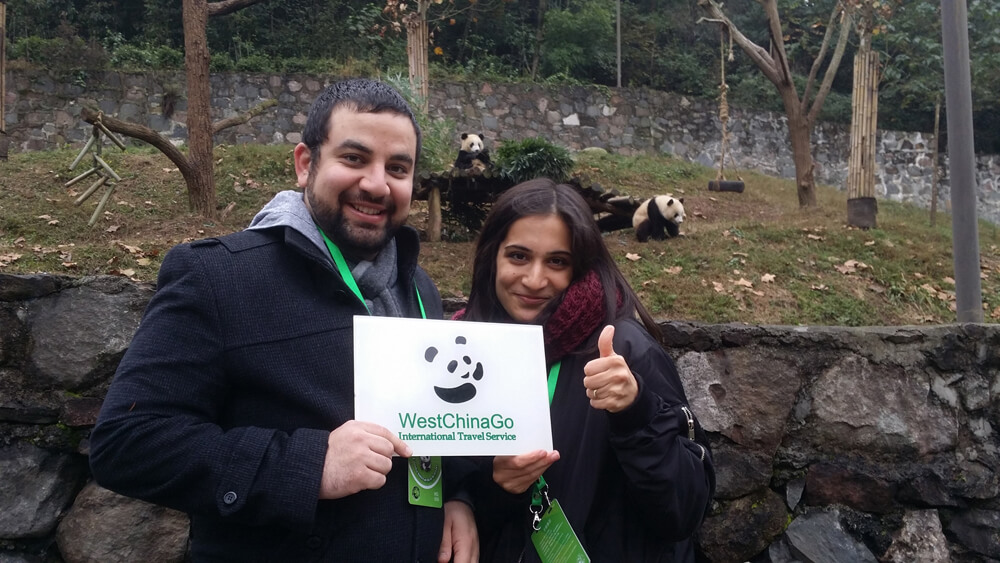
[
  {"x": 58, "y": 53},
  {"x": 534, "y": 157},
  {"x": 253, "y": 63},
  {"x": 221, "y": 62},
  {"x": 167, "y": 58}
]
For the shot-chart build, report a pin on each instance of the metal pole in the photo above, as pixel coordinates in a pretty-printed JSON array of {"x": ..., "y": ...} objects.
[
  {"x": 4, "y": 141},
  {"x": 961, "y": 154}
]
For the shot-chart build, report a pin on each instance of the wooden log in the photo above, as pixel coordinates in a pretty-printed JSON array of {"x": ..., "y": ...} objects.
[{"x": 726, "y": 186}]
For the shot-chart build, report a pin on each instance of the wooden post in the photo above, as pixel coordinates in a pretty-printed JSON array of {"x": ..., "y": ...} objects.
[
  {"x": 861, "y": 204},
  {"x": 434, "y": 215}
]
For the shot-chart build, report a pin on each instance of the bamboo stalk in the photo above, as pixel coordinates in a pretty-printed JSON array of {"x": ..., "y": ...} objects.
[
  {"x": 83, "y": 197},
  {"x": 114, "y": 138},
  {"x": 107, "y": 168},
  {"x": 80, "y": 177},
  {"x": 100, "y": 206},
  {"x": 79, "y": 157},
  {"x": 873, "y": 123}
]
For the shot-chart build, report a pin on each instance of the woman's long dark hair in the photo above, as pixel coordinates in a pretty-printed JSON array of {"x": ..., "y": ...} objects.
[{"x": 542, "y": 196}]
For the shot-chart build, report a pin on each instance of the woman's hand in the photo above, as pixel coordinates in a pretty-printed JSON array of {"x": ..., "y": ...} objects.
[
  {"x": 610, "y": 384},
  {"x": 516, "y": 473}
]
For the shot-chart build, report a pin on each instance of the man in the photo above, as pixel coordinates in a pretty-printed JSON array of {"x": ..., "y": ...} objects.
[{"x": 235, "y": 400}]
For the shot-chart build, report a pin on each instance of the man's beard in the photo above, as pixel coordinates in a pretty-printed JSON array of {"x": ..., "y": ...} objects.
[{"x": 353, "y": 240}]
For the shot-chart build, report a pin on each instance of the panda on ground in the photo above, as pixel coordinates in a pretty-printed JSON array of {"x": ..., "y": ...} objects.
[
  {"x": 473, "y": 155},
  {"x": 658, "y": 218}
]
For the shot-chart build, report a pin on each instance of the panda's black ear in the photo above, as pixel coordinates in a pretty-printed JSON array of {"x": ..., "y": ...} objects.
[
  {"x": 680, "y": 199},
  {"x": 670, "y": 202},
  {"x": 464, "y": 135},
  {"x": 481, "y": 136}
]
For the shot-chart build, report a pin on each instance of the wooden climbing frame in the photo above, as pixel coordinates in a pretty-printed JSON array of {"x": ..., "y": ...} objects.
[{"x": 101, "y": 168}]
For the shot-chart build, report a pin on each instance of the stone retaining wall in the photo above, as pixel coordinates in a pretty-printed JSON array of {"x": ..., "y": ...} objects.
[
  {"x": 43, "y": 112},
  {"x": 832, "y": 444}
]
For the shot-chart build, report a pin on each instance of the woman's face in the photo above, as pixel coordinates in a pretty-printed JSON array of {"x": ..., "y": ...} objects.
[{"x": 534, "y": 265}]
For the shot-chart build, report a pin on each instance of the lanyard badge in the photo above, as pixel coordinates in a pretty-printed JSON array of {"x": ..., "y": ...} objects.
[
  {"x": 425, "y": 481},
  {"x": 551, "y": 533}
]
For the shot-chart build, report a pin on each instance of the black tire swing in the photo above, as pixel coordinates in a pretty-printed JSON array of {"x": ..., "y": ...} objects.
[{"x": 720, "y": 184}]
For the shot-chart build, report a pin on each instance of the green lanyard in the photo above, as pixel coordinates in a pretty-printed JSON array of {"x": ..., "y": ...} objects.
[
  {"x": 345, "y": 272},
  {"x": 540, "y": 489},
  {"x": 553, "y": 377}
]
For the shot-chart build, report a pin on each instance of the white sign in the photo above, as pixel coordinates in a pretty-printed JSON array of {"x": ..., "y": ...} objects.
[{"x": 453, "y": 387}]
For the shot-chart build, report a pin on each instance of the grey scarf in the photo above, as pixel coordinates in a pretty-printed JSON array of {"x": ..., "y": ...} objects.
[{"x": 378, "y": 282}]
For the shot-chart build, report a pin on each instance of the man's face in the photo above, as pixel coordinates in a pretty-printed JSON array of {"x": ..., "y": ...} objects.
[{"x": 359, "y": 189}]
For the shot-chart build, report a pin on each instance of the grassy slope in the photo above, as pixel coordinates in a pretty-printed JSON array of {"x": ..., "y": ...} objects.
[{"x": 752, "y": 257}]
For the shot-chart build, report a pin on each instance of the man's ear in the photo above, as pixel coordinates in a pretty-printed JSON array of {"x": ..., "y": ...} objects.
[{"x": 303, "y": 159}]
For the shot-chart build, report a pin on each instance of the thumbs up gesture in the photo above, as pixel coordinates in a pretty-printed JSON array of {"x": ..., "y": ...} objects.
[{"x": 609, "y": 382}]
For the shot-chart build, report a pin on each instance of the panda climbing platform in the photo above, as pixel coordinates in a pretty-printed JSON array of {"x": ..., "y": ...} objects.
[{"x": 101, "y": 168}]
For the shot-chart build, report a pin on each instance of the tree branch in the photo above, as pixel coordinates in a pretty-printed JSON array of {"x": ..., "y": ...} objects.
[
  {"x": 756, "y": 53},
  {"x": 241, "y": 118},
  {"x": 822, "y": 53},
  {"x": 142, "y": 133},
  {"x": 777, "y": 43},
  {"x": 831, "y": 71},
  {"x": 229, "y": 6}
]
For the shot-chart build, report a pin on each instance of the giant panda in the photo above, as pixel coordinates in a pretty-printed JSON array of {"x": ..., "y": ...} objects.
[
  {"x": 472, "y": 154},
  {"x": 658, "y": 218}
]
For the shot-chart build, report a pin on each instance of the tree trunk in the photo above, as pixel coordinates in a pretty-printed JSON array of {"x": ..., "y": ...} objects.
[
  {"x": 539, "y": 35},
  {"x": 201, "y": 191},
  {"x": 800, "y": 133}
]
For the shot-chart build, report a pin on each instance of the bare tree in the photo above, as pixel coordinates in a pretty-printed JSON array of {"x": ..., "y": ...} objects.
[
  {"x": 197, "y": 167},
  {"x": 800, "y": 110}
]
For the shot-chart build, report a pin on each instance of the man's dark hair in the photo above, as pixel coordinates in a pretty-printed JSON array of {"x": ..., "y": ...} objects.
[{"x": 362, "y": 95}]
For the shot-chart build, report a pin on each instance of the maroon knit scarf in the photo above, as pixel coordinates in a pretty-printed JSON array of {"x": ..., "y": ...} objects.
[{"x": 578, "y": 315}]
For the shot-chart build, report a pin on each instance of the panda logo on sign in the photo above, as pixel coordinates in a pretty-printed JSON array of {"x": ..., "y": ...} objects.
[{"x": 463, "y": 365}]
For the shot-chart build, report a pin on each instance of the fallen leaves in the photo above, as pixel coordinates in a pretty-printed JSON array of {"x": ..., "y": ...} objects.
[
  {"x": 633, "y": 257},
  {"x": 811, "y": 236},
  {"x": 8, "y": 259},
  {"x": 134, "y": 250},
  {"x": 851, "y": 267},
  {"x": 946, "y": 296}
]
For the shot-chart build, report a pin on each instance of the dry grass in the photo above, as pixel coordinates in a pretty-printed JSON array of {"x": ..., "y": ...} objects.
[{"x": 753, "y": 257}]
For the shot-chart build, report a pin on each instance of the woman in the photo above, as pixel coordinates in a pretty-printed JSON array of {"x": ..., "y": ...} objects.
[{"x": 627, "y": 472}]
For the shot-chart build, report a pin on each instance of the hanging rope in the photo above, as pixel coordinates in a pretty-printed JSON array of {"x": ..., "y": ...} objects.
[{"x": 724, "y": 103}]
